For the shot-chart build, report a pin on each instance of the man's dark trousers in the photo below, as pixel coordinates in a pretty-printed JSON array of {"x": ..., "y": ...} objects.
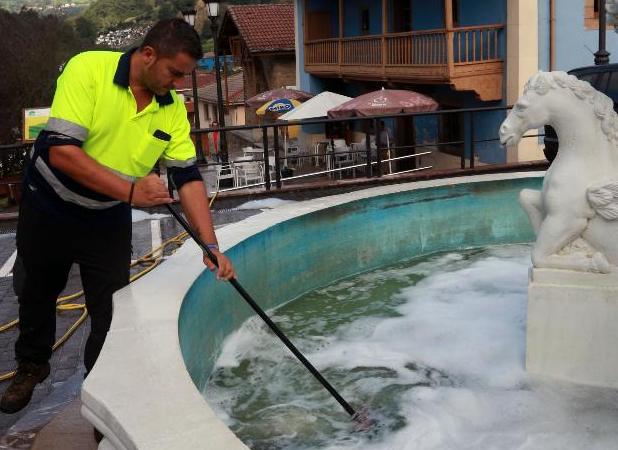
[{"x": 46, "y": 249}]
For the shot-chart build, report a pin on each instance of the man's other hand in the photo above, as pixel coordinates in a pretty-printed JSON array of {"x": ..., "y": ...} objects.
[
  {"x": 226, "y": 270},
  {"x": 150, "y": 191}
]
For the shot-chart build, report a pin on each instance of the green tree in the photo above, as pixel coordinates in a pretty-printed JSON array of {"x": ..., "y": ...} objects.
[
  {"x": 85, "y": 29},
  {"x": 33, "y": 48}
]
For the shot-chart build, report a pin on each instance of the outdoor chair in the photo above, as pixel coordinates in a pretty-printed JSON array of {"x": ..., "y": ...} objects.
[
  {"x": 248, "y": 172},
  {"x": 225, "y": 171},
  {"x": 339, "y": 156}
]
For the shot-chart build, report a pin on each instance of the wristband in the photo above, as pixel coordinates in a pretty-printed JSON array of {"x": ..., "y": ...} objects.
[
  {"x": 131, "y": 193},
  {"x": 212, "y": 246}
]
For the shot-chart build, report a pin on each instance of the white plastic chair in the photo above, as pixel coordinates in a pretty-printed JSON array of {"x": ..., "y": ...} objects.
[
  {"x": 225, "y": 172},
  {"x": 248, "y": 172}
]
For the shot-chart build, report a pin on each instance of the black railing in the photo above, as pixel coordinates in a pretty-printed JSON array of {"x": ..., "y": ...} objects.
[
  {"x": 369, "y": 157},
  {"x": 13, "y": 159}
]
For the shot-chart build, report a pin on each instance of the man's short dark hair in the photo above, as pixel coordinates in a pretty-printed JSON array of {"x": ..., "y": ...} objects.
[{"x": 172, "y": 36}]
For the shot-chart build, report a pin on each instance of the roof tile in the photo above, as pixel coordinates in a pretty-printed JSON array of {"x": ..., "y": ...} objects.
[
  {"x": 265, "y": 28},
  {"x": 235, "y": 90}
]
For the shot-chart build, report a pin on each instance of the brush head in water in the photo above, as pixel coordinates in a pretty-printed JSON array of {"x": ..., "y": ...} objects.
[{"x": 364, "y": 422}]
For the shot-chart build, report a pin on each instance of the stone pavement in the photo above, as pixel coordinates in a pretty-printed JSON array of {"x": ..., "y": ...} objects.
[{"x": 62, "y": 386}]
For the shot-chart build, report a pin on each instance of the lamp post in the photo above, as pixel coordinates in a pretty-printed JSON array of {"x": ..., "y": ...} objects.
[
  {"x": 189, "y": 17},
  {"x": 212, "y": 9},
  {"x": 601, "y": 56}
]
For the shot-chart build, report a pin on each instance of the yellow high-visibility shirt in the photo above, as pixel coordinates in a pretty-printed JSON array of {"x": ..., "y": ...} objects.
[{"x": 94, "y": 104}]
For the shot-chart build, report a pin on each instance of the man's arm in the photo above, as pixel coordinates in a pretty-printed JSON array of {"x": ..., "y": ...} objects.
[
  {"x": 74, "y": 162},
  {"x": 195, "y": 205}
]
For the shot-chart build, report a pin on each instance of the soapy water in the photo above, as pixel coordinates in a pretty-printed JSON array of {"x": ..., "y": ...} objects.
[{"x": 433, "y": 347}]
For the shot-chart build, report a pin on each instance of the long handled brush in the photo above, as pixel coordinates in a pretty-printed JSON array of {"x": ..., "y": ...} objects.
[{"x": 361, "y": 417}]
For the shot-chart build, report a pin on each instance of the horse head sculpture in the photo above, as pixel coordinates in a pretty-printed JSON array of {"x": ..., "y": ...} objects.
[{"x": 574, "y": 216}]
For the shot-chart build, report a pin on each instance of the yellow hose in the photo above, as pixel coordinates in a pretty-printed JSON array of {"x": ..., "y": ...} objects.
[{"x": 62, "y": 306}]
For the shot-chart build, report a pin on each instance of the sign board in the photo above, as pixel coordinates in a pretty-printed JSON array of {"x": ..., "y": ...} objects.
[{"x": 35, "y": 120}]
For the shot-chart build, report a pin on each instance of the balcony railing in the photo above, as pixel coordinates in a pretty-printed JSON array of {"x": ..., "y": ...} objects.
[{"x": 432, "y": 55}]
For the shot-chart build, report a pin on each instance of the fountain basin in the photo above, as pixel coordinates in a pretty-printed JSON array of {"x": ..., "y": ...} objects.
[{"x": 144, "y": 391}]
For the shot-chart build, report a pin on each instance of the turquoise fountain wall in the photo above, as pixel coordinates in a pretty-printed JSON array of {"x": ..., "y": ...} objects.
[{"x": 312, "y": 250}]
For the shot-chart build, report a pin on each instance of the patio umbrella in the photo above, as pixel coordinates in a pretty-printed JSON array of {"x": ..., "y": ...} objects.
[
  {"x": 291, "y": 94},
  {"x": 384, "y": 102},
  {"x": 277, "y": 106},
  {"x": 317, "y": 106}
]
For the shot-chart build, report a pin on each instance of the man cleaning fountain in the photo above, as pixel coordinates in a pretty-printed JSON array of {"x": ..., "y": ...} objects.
[{"x": 113, "y": 117}]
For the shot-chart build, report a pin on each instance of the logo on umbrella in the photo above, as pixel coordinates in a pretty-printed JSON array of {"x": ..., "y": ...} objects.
[
  {"x": 280, "y": 106},
  {"x": 378, "y": 101}
]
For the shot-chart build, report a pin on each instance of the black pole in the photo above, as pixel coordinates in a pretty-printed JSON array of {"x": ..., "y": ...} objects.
[
  {"x": 602, "y": 55},
  {"x": 376, "y": 128},
  {"x": 277, "y": 161},
  {"x": 222, "y": 138},
  {"x": 245, "y": 295},
  {"x": 196, "y": 116},
  {"x": 266, "y": 159},
  {"x": 368, "y": 150}
]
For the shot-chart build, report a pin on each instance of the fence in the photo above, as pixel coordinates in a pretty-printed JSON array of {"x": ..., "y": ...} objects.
[
  {"x": 369, "y": 158},
  {"x": 271, "y": 166}
]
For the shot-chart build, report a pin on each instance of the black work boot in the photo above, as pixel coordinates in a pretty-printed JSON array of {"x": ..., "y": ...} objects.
[{"x": 19, "y": 392}]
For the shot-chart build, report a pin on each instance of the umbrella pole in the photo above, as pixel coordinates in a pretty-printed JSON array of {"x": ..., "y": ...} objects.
[
  {"x": 361, "y": 417},
  {"x": 285, "y": 147},
  {"x": 388, "y": 153}
]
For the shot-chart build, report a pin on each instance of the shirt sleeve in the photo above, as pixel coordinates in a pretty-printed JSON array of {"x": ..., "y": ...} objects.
[
  {"x": 72, "y": 107},
  {"x": 180, "y": 152}
]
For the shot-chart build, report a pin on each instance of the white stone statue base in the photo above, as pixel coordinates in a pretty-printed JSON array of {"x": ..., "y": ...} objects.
[{"x": 572, "y": 329}]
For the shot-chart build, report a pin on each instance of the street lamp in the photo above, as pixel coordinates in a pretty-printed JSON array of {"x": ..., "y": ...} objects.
[
  {"x": 601, "y": 56},
  {"x": 189, "y": 16},
  {"x": 212, "y": 9}
]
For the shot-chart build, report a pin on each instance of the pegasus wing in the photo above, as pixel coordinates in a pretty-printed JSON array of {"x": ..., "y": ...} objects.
[{"x": 603, "y": 198}]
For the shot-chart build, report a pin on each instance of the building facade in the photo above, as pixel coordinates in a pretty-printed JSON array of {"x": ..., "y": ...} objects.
[{"x": 463, "y": 53}]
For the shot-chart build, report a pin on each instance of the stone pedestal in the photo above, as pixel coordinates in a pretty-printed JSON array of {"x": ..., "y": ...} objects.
[{"x": 572, "y": 327}]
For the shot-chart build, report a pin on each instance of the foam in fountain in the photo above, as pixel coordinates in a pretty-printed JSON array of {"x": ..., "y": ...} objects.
[{"x": 434, "y": 346}]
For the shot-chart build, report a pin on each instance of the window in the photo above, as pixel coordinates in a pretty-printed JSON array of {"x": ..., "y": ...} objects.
[{"x": 365, "y": 20}]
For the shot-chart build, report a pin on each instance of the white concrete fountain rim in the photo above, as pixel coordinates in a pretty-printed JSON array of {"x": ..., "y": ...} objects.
[{"x": 139, "y": 393}]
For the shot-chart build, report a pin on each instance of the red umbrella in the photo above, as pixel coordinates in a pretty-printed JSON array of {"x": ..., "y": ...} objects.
[
  {"x": 274, "y": 94},
  {"x": 384, "y": 102}
]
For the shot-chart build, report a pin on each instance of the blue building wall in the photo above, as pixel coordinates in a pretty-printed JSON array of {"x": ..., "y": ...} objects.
[
  {"x": 473, "y": 12},
  {"x": 427, "y": 15},
  {"x": 574, "y": 44}
]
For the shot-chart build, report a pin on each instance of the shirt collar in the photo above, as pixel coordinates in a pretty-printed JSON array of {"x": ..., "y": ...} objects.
[{"x": 121, "y": 77}]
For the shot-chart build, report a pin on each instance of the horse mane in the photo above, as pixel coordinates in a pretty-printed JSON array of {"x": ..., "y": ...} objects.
[{"x": 603, "y": 106}]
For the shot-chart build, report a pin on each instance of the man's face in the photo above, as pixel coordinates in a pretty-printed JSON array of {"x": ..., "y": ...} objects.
[{"x": 161, "y": 73}]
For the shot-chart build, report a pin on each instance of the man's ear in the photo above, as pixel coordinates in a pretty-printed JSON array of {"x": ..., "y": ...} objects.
[{"x": 149, "y": 55}]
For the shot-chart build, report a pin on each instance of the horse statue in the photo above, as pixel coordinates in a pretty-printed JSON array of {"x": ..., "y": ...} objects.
[{"x": 574, "y": 216}]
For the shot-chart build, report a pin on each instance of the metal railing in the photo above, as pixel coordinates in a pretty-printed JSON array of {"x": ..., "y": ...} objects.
[
  {"x": 371, "y": 160},
  {"x": 13, "y": 159},
  {"x": 366, "y": 159}
]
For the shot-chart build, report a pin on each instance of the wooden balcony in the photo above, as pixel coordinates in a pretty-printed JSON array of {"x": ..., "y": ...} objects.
[{"x": 467, "y": 58}]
